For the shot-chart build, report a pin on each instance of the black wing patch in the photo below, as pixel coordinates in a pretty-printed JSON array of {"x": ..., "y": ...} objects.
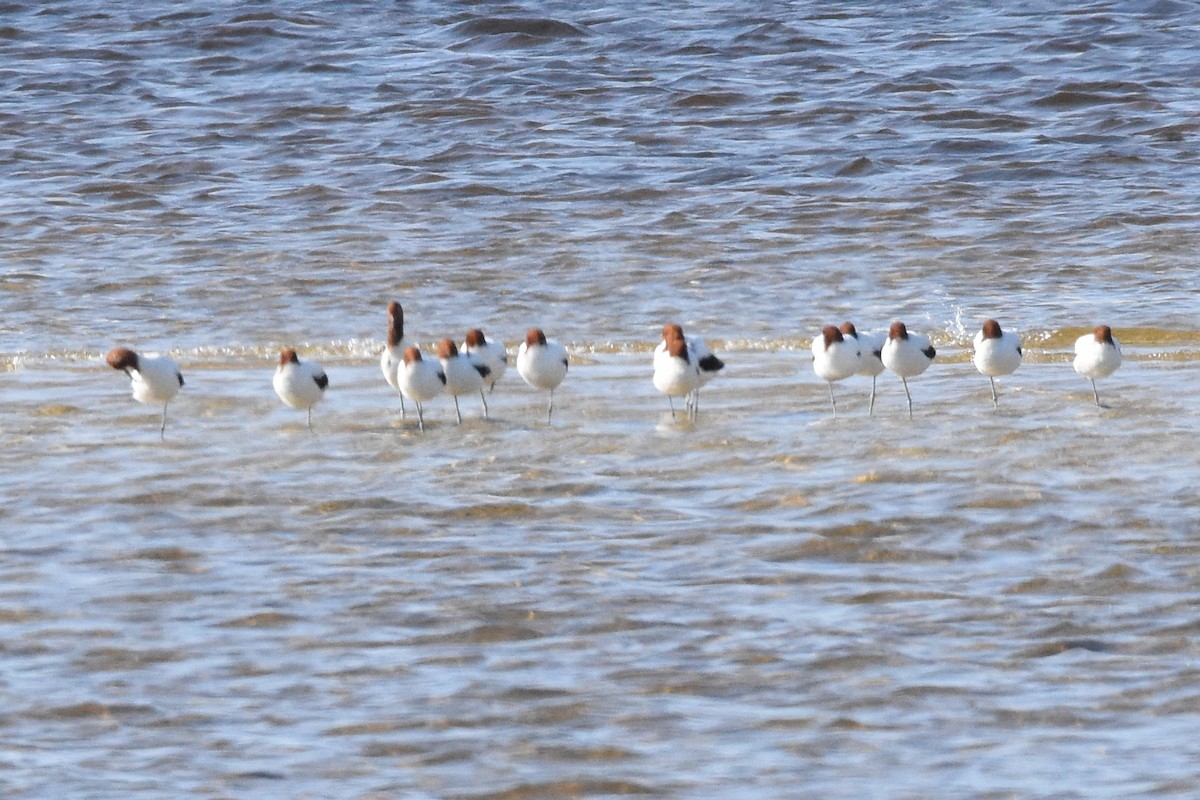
[
  {"x": 711, "y": 363},
  {"x": 442, "y": 377},
  {"x": 929, "y": 352},
  {"x": 482, "y": 370},
  {"x": 321, "y": 380},
  {"x": 180, "y": 376}
]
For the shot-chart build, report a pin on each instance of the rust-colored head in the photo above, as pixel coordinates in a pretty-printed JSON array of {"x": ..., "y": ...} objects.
[
  {"x": 671, "y": 331},
  {"x": 677, "y": 348},
  {"x": 897, "y": 331},
  {"x": 475, "y": 338},
  {"x": 991, "y": 329},
  {"x": 535, "y": 337},
  {"x": 447, "y": 349},
  {"x": 411, "y": 354},
  {"x": 288, "y": 356},
  {"x": 395, "y": 323},
  {"x": 1103, "y": 333},
  {"x": 122, "y": 358},
  {"x": 848, "y": 328},
  {"x": 832, "y": 335}
]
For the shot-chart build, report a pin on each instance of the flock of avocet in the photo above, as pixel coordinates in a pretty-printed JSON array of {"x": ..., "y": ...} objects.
[{"x": 682, "y": 365}]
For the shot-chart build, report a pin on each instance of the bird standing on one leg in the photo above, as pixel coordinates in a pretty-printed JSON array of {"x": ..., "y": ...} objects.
[
  {"x": 155, "y": 379},
  {"x": 871, "y": 365},
  {"x": 1097, "y": 355},
  {"x": 299, "y": 384},
  {"x": 542, "y": 363},
  {"x": 835, "y": 357},
  {"x": 907, "y": 355},
  {"x": 997, "y": 352}
]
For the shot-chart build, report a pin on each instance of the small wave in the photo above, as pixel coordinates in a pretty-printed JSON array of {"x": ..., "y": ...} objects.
[
  {"x": 536, "y": 27},
  {"x": 322, "y": 68},
  {"x": 710, "y": 100},
  {"x": 966, "y": 145},
  {"x": 915, "y": 86},
  {"x": 968, "y": 118},
  {"x": 1062, "y": 46},
  {"x": 1079, "y": 95},
  {"x": 859, "y": 166},
  {"x": 226, "y": 37},
  {"x": 166, "y": 19},
  {"x": 323, "y": 113},
  {"x": 92, "y": 709}
]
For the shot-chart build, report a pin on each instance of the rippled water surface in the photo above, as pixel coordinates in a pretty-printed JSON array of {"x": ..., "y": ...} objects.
[{"x": 771, "y": 602}]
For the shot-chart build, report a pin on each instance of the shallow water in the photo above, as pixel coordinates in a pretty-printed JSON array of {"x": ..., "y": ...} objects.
[{"x": 974, "y": 603}]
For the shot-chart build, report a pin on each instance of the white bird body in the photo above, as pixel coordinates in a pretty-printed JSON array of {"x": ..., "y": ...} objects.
[
  {"x": 299, "y": 384},
  {"x": 393, "y": 353},
  {"x": 835, "y": 357},
  {"x": 153, "y": 379},
  {"x": 492, "y": 354},
  {"x": 1097, "y": 355},
  {"x": 420, "y": 380},
  {"x": 676, "y": 374},
  {"x": 907, "y": 355},
  {"x": 542, "y": 363},
  {"x": 870, "y": 346},
  {"x": 464, "y": 374},
  {"x": 698, "y": 352},
  {"x": 389, "y": 363},
  {"x": 997, "y": 352}
]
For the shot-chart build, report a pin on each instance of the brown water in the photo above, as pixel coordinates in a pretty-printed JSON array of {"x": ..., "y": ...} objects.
[{"x": 770, "y": 603}]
